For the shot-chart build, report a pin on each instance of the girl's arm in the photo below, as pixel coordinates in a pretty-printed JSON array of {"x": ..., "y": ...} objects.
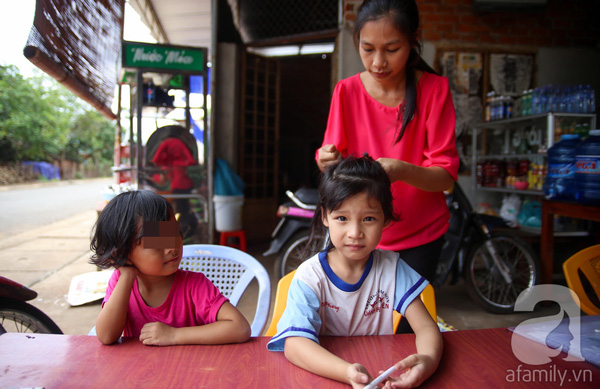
[
  {"x": 311, "y": 356},
  {"x": 420, "y": 366},
  {"x": 231, "y": 327},
  {"x": 429, "y": 179},
  {"x": 112, "y": 317}
]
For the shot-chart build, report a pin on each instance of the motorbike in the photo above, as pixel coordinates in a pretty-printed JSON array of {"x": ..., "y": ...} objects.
[
  {"x": 290, "y": 236},
  {"x": 17, "y": 315},
  {"x": 495, "y": 263}
]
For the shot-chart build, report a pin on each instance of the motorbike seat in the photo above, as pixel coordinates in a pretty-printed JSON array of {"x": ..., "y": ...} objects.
[{"x": 308, "y": 195}]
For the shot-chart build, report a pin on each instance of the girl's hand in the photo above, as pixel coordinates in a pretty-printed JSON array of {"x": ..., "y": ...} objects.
[
  {"x": 328, "y": 154},
  {"x": 417, "y": 368},
  {"x": 128, "y": 270},
  {"x": 358, "y": 375},
  {"x": 157, "y": 334}
]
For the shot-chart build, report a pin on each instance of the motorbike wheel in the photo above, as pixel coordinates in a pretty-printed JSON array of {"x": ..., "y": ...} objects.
[
  {"x": 19, "y": 316},
  {"x": 292, "y": 253},
  {"x": 485, "y": 283}
]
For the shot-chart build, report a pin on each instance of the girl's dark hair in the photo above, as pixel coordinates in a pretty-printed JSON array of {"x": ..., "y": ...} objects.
[
  {"x": 344, "y": 179},
  {"x": 118, "y": 227},
  {"x": 404, "y": 15}
]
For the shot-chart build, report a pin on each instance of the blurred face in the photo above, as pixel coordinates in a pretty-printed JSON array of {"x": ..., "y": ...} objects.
[
  {"x": 355, "y": 227},
  {"x": 384, "y": 50},
  {"x": 159, "y": 252}
]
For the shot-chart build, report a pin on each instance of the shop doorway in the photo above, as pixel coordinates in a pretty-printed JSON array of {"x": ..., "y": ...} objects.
[
  {"x": 305, "y": 99},
  {"x": 284, "y": 109}
]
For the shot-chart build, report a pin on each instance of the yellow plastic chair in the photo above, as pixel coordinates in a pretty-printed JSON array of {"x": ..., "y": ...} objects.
[
  {"x": 586, "y": 262},
  {"x": 427, "y": 296}
]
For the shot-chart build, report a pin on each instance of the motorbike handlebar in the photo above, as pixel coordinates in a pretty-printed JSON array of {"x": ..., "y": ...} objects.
[{"x": 298, "y": 202}]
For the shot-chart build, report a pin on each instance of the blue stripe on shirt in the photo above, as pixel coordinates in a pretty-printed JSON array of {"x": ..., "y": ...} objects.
[
  {"x": 337, "y": 281},
  {"x": 410, "y": 292},
  {"x": 293, "y": 329}
]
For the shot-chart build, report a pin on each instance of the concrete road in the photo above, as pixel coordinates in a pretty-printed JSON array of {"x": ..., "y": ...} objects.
[
  {"x": 27, "y": 206},
  {"x": 45, "y": 242}
]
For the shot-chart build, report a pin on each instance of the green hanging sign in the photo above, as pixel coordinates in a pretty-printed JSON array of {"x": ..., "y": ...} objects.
[{"x": 165, "y": 57}]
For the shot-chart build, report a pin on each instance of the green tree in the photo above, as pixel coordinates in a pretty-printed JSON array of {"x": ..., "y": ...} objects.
[
  {"x": 91, "y": 138},
  {"x": 18, "y": 98},
  {"x": 41, "y": 120}
]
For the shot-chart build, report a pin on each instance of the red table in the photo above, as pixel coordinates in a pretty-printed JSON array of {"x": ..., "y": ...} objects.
[{"x": 471, "y": 359}]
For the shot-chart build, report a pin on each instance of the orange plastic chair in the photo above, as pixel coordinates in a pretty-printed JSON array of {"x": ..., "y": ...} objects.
[
  {"x": 427, "y": 296},
  {"x": 584, "y": 263}
]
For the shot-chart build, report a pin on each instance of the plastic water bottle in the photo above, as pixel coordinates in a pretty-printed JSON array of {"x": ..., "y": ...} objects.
[
  {"x": 553, "y": 98},
  {"x": 587, "y": 170},
  {"x": 150, "y": 92},
  {"x": 581, "y": 99},
  {"x": 560, "y": 181},
  {"x": 591, "y": 99},
  {"x": 545, "y": 99},
  {"x": 536, "y": 101},
  {"x": 488, "y": 106}
]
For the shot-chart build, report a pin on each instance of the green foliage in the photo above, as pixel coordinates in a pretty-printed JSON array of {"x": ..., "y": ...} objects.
[
  {"x": 91, "y": 137},
  {"x": 43, "y": 121}
]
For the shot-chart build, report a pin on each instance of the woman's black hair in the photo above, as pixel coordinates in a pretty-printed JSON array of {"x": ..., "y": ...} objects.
[
  {"x": 118, "y": 227},
  {"x": 344, "y": 179},
  {"x": 404, "y": 15}
]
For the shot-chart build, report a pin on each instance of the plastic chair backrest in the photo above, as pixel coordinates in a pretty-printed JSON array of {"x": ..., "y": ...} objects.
[
  {"x": 586, "y": 261},
  {"x": 231, "y": 270},
  {"x": 427, "y": 296},
  {"x": 283, "y": 286}
]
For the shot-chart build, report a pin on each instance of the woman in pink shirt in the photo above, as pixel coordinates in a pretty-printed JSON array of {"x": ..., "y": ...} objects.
[
  {"x": 148, "y": 296},
  {"x": 401, "y": 113}
]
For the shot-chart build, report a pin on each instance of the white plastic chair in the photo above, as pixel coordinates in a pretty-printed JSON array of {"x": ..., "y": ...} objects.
[{"x": 231, "y": 270}]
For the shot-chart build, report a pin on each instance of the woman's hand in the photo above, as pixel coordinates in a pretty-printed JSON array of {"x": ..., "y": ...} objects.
[
  {"x": 429, "y": 179},
  {"x": 328, "y": 154},
  {"x": 393, "y": 168}
]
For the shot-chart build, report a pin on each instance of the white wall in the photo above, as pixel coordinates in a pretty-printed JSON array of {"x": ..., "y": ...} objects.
[
  {"x": 569, "y": 66},
  {"x": 349, "y": 62}
]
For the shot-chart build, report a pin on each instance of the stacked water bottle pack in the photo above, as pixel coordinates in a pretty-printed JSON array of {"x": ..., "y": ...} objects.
[
  {"x": 563, "y": 98},
  {"x": 574, "y": 169},
  {"x": 547, "y": 98},
  {"x": 587, "y": 169}
]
